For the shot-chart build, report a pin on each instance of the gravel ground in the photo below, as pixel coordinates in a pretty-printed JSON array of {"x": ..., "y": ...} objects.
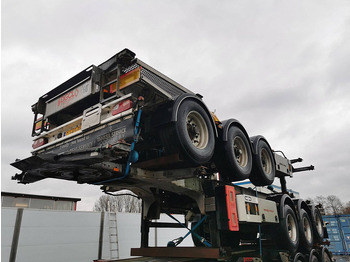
[{"x": 342, "y": 258}]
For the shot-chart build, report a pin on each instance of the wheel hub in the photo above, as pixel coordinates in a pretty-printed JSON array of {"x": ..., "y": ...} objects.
[
  {"x": 197, "y": 130},
  {"x": 266, "y": 161},
  {"x": 240, "y": 151}
]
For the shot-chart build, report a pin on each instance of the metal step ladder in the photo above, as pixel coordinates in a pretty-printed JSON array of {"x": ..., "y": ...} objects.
[{"x": 113, "y": 235}]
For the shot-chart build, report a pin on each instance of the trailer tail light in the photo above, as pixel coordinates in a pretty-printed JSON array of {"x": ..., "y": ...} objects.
[
  {"x": 121, "y": 107},
  {"x": 39, "y": 142}
]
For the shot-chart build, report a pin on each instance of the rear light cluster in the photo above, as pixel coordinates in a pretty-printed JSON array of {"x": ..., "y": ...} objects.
[
  {"x": 117, "y": 109},
  {"x": 39, "y": 142},
  {"x": 121, "y": 107}
]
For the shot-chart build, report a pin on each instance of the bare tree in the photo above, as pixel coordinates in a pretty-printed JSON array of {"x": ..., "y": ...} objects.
[
  {"x": 335, "y": 205},
  {"x": 346, "y": 209},
  {"x": 123, "y": 201},
  {"x": 322, "y": 203},
  {"x": 331, "y": 204}
]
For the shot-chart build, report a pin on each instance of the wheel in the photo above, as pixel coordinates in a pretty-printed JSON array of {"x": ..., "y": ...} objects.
[
  {"x": 326, "y": 256},
  {"x": 305, "y": 231},
  {"x": 314, "y": 256},
  {"x": 264, "y": 169},
  {"x": 299, "y": 257},
  {"x": 287, "y": 233},
  {"x": 317, "y": 224},
  {"x": 236, "y": 163},
  {"x": 191, "y": 135}
]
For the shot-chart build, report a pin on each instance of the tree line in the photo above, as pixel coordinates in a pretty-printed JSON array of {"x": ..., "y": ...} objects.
[
  {"x": 123, "y": 201},
  {"x": 331, "y": 205}
]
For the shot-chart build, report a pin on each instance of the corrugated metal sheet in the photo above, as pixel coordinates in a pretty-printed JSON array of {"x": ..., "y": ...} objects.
[
  {"x": 55, "y": 236},
  {"x": 48, "y": 235},
  {"x": 338, "y": 228}
]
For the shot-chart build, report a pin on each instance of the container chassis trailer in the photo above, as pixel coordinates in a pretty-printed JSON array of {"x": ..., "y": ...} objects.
[{"x": 124, "y": 125}]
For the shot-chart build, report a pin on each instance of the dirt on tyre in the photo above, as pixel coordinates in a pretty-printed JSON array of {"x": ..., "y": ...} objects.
[
  {"x": 234, "y": 158},
  {"x": 264, "y": 169},
  {"x": 192, "y": 135}
]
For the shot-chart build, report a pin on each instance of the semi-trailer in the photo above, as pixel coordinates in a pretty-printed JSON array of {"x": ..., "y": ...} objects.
[{"x": 124, "y": 125}]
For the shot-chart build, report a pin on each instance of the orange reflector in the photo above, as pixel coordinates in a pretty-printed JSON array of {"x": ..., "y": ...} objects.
[
  {"x": 130, "y": 78},
  {"x": 116, "y": 169},
  {"x": 231, "y": 208},
  {"x": 125, "y": 80},
  {"x": 38, "y": 125}
]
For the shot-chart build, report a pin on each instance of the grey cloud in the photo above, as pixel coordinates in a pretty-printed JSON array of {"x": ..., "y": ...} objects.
[{"x": 281, "y": 68}]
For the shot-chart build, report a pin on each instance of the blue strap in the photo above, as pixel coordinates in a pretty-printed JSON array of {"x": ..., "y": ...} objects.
[
  {"x": 191, "y": 231},
  {"x": 131, "y": 153}
]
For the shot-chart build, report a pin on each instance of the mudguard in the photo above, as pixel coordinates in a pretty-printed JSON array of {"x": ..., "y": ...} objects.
[
  {"x": 281, "y": 201},
  {"x": 255, "y": 141},
  {"x": 232, "y": 122},
  {"x": 301, "y": 204},
  {"x": 196, "y": 98}
]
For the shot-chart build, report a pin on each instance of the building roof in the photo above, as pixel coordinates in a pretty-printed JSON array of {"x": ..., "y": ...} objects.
[{"x": 40, "y": 196}]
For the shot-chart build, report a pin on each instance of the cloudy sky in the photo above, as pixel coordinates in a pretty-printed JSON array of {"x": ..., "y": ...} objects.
[{"x": 280, "y": 67}]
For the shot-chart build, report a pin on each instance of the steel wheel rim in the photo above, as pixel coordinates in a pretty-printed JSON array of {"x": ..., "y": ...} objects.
[
  {"x": 197, "y": 130},
  {"x": 292, "y": 228},
  {"x": 240, "y": 151},
  {"x": 307, "y": 229},
  {"x": 266, "y": 161}
]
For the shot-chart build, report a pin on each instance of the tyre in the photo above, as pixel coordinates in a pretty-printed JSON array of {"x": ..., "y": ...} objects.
[
  {"x": 192, "y": 135},
  {"x": 326, "y": 256},
  {"x": 287, "y": 233},
  {"x": 299, "y": 257},
  {"x": 305, "y": 231},
  {"x": 264, "y": 169},
  {"x": 236, "y": 161},
  {"x": 314, "y": 256},
  {"x": 317, "y": 224}
]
